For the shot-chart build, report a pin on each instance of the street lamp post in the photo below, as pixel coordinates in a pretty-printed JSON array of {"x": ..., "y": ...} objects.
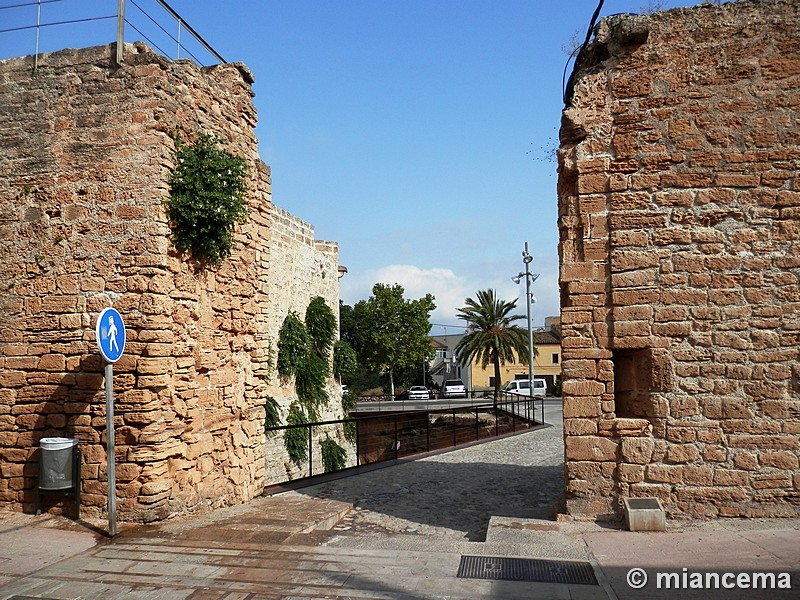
[{"x": 529, "y": 299}]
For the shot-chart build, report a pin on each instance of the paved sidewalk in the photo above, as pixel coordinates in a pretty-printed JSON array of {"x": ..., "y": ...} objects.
[
  {"x": 28, "y": 543},
  {"x": 393, "y": 533}
]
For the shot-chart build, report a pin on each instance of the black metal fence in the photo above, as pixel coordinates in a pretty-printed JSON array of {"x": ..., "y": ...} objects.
[{"x": 395, "y": 434}]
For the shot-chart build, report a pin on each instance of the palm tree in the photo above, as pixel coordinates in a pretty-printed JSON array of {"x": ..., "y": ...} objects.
[{"x": 492, "y": 336}]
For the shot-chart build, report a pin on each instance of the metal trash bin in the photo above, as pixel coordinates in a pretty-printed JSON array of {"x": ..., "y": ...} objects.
[
  {"x": 59, "y": 470},
  {"x": 56, "y": 463}
]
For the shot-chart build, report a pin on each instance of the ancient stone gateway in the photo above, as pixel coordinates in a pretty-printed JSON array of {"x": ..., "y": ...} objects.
[
  {"x": 679, "y": 218},
  {"x": 86, "y": 153}
]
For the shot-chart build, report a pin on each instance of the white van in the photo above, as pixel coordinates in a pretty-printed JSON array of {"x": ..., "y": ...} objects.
[{"x": 522, "y": 387}]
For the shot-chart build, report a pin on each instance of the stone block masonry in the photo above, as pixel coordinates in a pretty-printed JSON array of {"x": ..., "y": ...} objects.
[
  {"x": 312, "y": 268},
  {"x": 85, "y": 154},
  {"x": 679, "y": 220}
]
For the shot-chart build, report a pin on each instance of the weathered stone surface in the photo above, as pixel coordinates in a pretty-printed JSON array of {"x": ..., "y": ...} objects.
[
  {"x": 680, "y": 258},
  {"x": 637, "y": 450},
  {"x": 590, "y": 448},
  {"x": 83, "y": 227}
]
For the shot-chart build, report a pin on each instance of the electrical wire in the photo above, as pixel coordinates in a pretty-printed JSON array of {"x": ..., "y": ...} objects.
[{"x": 453, "y": 326}]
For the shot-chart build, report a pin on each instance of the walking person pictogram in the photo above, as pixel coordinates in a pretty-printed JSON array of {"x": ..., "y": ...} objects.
[{"x": 112, "y": 334}]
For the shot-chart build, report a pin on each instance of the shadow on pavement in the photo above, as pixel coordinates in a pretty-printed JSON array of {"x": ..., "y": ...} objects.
[{"x": 456, "y": 496}]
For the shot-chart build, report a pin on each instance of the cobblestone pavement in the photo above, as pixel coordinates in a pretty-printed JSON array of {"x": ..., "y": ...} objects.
[{"x": 454, "y": 494}]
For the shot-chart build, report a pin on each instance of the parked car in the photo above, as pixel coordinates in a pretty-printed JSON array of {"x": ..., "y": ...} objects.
[
  {"x": 522, "y": 387},
  {"x": 454, "y": 388},
  {"x": 418, "y": 392}
]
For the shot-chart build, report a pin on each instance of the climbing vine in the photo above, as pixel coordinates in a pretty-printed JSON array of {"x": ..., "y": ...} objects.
[
  {"x": 208, "y": 196},
  {"x": 334, "y": 457},
  {"x": 349, "y": 402},
  {"x": 304, "y": 350},
  {"x": 309, "y": 383},
  {"x": 321, "y": 327},
  {"x": 296, "y": 439},
  {"x": 273, "y": 415},
  {"x": 292, "y": 345}
]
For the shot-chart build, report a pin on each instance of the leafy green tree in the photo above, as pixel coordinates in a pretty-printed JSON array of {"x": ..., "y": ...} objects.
[
  {"x": 393, "y": 331},
  {"x": 350, "y": 329},
  {"x": 492, "y": 336}
]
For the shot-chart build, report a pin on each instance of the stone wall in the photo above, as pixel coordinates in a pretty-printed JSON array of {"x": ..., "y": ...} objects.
[
  {"x": 85, "y": 153},
  {"x": 679, "y": 218},
  {"x": 313, "y": 268}
]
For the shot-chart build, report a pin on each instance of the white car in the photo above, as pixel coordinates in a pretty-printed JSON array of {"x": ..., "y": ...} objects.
[
  {"x": 522, "y": 387},
  {"x": 418, "y": 392},
  {"x": 454, "y": 388}
]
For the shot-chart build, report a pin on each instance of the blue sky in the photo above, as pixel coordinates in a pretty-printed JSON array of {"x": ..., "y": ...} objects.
[{"x": 418, "y": 134}]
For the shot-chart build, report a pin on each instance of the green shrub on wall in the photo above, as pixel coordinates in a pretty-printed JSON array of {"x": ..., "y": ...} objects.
[
  {"x": 208, "y": 196},
  {"x": 292, "y": 345},
  {"x": 304, "y": 352},
  {"x": 295, "y": 440},
  {"x": 309, "y": 383},
  {"x": 334, "y": 457},
  {"x": 321, "y": 327},
  {"x": 273, "y": 415},
  {"x": 349, "y": 402}
]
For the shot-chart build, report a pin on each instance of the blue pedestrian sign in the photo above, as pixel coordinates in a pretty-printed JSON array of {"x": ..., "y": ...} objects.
[{"x": 110, "y": 332}]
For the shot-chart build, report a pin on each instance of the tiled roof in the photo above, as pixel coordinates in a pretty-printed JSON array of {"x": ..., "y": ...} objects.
[{"x": 546, "y": 337}]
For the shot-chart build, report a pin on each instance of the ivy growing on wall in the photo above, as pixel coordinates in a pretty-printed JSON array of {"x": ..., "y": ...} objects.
[
  {"x": 304, "y": 350},
  {"x": 321, "y": 327},
  {"x": 273, "y": 415},
  {"x": 349, "y": 402},
  {"x": 292, "y": 345},
  {"x": 333, "y": 455},
  {"x": 296, "y": 439},
  {"x": 208, "y": 196},
  {"x": 309, "y": 383}
]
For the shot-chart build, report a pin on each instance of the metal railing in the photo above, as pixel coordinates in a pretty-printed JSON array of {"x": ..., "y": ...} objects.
[
  {"x": 402, "y": 402},
  {"x": 399, "y": 434},
  {"x": 181, "y": 25},
  {"x": 145, "y": 17}
]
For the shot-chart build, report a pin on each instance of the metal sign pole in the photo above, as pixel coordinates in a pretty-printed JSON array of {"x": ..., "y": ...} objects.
[
  {"x": 111, "y": 461},
  {"x": 110, "y": 335}
]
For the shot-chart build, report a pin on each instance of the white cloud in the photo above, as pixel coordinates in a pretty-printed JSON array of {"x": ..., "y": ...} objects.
[{"x": 448, "y": 288}]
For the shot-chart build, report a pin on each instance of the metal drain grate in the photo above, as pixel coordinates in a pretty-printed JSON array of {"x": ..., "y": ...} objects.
[{"x": 526, "y": 569}]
